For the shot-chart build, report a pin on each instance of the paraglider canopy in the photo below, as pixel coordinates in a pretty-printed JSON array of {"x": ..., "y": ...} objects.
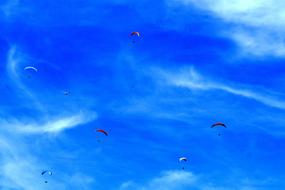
[
  {"x": 46, "y": 171},
  {"x": 183, "y": 159},
  {"x": 218, "y": 124},
  {"x": 135, "y": 33},
  {"x": 102, "y": 131},
  {"x": 31, "y": 68}
]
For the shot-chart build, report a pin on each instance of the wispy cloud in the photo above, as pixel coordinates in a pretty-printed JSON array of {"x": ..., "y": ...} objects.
[
  {"x": 14, "y": 59},
  {"x": 259, "y": 42},
  {"x": 20, "y": 168},
  {"x": 21, "y": 165},
  {"x": 258, "y": 25},
  {"x": 189, "y": 78},
  {"x": 58, "y": 125}
]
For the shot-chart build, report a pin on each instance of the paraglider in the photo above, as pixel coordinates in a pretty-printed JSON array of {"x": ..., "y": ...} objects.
[
  {"x": 66, "y": 93},
  {"x": 103, "y": 132},
  {"x": 30, "y": 68},
  {"x": 46, "y": 172},
  {"x": 218, "y": 124},
  {"x": 183, "y": 159},
  {"x": 134, "y": 35}
]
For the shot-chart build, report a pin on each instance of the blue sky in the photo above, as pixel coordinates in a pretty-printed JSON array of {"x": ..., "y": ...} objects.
[{"x": 197, "y": 62}]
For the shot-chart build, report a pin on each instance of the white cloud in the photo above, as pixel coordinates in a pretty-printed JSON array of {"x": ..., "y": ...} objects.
[
  {"x": 81, "y": 181},
  {"x": 182, "y": 180},
  {"x": 173, "y": 180},
  {"x": 259, "y": 25},
  {"x": 9, "y": 7},
  {"x": 191, "y": 79},
  {"x": 127, "y": 185},
  {"x": 169, "y": 180},
  {"x": 251, "y": 12},
  {"x": 57, "y": 125},
  {"x": 259, "y": 43}
]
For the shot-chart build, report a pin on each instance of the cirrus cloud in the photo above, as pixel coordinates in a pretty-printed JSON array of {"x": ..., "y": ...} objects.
[{"x": 191, "y": 79}]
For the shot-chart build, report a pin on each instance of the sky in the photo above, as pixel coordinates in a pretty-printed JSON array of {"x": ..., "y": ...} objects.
[{"x": 195, "y": 63}]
